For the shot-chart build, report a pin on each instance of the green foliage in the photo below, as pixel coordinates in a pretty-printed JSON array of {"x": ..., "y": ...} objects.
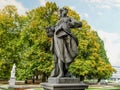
[
  {"x": 9, "y": 35},
  {"x": 23, "y": 41},
  {"x": 92, "y": 59},
  {"x": 34, "y": 43}
]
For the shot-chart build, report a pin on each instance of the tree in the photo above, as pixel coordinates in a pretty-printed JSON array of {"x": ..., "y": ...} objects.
[
  {"x": 91, "y": 55},
  {"x": 9, "y": 37},
  {"x": 10, "y": 11},
  {"x": 5, "y": 43},
  {"x": 35, "y": 44},
  {"x": 23, "y": 41}
]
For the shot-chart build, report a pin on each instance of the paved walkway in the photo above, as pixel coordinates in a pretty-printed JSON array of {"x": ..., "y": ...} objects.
[{"x": 27, "y": 87}]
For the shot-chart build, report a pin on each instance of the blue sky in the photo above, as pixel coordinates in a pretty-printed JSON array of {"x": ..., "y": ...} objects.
[
  {"x": 99, "y": 13},
  {"x": 102, "y": 15}
]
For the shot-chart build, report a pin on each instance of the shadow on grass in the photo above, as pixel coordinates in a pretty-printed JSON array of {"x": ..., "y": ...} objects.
[
  {"x": 5, "y": 88},
  {"x": 104, "y": 88}
]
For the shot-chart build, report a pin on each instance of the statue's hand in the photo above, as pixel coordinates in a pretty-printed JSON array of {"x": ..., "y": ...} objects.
[
  {"x": 76, "y": 25},
  {"x": 50, "y": 31}
]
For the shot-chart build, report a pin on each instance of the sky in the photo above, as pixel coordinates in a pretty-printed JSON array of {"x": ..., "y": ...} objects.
[{"x": 102, "y": 15}]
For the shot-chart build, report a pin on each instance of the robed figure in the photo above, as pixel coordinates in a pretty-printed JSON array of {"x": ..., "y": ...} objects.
[{"x": 64, "y": 43}]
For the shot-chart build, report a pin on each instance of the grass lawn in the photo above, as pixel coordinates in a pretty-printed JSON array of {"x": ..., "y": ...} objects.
[
  {"x": 96, "y": 88},
  {"x": 39, "y": 89},
  {"x": 103, "y": 88},
  {"x": 91, "y": 87}
]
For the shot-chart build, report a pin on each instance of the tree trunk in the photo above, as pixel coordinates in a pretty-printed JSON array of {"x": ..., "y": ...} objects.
[
  {"x": 82, "y": 78},
  {"x": 43, "y": 77},
  {"x": 98, "y": 82}
]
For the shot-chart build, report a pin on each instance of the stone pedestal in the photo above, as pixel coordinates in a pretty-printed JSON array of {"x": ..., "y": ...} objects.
[
  {"x": 64, "y": 84},
  {"x": 12, "y": 82}
]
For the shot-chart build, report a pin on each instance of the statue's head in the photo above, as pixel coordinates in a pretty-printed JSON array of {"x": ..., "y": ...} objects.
[{"x": 63, "y": 12}]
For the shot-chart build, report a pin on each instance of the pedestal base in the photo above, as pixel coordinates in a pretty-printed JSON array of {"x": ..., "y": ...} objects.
[
  {"x": 12, "y": 82},
  {"x": 64, "y": 84}
]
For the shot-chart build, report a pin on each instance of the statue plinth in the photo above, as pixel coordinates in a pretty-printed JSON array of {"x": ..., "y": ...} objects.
[
  {"x": 12, "y": 82},
  {"x": 64, "y": 83},
  {"x": 63, "y": 80},
  {"x": 12, "y": 78}
]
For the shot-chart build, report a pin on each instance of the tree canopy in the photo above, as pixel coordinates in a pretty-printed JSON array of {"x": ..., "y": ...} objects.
[{"x": 23, "y": 41}]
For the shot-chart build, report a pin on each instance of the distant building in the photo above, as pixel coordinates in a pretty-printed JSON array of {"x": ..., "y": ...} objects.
[{"x": 116, "y": 76}]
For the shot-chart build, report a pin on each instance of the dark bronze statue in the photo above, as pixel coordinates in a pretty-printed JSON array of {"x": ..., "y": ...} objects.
[{"x": 64, "y": 43}]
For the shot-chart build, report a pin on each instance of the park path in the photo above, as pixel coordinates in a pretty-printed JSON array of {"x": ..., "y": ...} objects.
[{"x": 27, "y": 87}]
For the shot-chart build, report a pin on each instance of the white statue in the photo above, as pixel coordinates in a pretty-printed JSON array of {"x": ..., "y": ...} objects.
[
  {"x": 12, "y": 78},
  {"x": 13, "y": 71}
]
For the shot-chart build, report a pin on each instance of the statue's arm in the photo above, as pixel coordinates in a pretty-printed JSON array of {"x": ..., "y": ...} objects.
[
  {"x": 75, "y": 24},
  {"x": 50, "y": 31}
]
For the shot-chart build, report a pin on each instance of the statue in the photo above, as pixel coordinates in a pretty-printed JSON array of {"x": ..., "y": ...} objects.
[
  {"x": 12, "y": 77},
  {"x": 64, "y": 43},
  {"x": 13, "y": 71}
]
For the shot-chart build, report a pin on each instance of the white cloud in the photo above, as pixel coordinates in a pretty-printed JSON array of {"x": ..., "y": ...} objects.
[
  {"x": 105, "y": 3},
  {"x": 100, "y": 13},
  {"x": 112, "y": 46},
  {"x": 43, "y": 2},
  {"x": 20, "y": 7},
  {"x": 101, "y": 1},
  {"x": 95, "y": 1},
  {"x": 104, "y": 6},
  {"x": 84, "y": 15}
]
